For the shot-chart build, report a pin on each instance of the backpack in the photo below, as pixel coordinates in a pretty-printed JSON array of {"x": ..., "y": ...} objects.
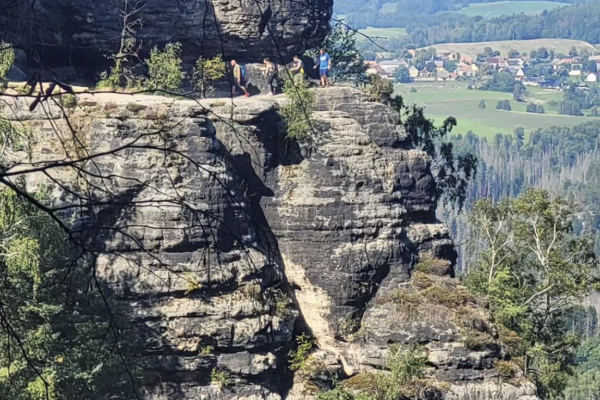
[{"x": 242, "y": 72}]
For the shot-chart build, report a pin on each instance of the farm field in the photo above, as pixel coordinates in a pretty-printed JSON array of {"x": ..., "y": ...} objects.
[
  {"x": 497, "y": 9},
  {"x": 381, "y": 32},
  {"x": 442, "y": 100},
  {"x": 504, "y": 46}
]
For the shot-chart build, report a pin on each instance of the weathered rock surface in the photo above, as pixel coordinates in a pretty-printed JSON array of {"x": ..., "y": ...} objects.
[
  {"x": 223, "y": 240},
  {"x": 83, "y": 31}
]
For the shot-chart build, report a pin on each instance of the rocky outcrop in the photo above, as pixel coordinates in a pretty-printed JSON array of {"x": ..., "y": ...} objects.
[
  {"x": 81, "y": 32},
  {"x": 224, "y": 240}
]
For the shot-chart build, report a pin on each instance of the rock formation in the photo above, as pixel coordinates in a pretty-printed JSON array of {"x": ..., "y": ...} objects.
[
  {"x": 238, "y": 240},
  {"x": 82, "y": 32}
]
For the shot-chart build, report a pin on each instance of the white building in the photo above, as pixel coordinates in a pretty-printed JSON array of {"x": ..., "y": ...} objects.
[{"x": 591, "y": 78}]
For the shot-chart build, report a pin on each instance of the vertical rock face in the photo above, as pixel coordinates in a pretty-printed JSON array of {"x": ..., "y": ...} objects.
[
  {"x": 79, "y": 31},
  {"x": 223, "y": 240}
]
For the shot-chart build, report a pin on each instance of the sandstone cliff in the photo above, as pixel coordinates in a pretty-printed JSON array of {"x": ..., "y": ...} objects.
[
  {"x": 82, "y": 32},
  {"x": 224, "y": 241}
]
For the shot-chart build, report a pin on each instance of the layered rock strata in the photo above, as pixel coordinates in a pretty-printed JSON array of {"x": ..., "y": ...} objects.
[
  {"x": 81, "y": 32},
  {"x": 224, "y": 241}
]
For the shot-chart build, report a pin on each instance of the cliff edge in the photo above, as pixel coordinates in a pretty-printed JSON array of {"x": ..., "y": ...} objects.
[{"x": 238, "y": 240}]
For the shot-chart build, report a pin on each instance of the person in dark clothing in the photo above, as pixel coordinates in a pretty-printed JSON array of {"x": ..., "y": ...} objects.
[{"x": 270, "y": 73}]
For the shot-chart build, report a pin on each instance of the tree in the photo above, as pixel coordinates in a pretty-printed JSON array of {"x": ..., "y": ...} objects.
[
  {"x": 569, "y": 107},
  {"x": 207, "y": 72},
  {"x": 381, "y": 89},
  {"x": 7, "y": 58},
  {"x": 573, "y": 51},
  {"x": 348, "y": 63},
  {"x": 53, "y": 330},
  {"x": 518, "y": 91},
  {"x": 535, "y": 108},
  {"x": 402, "y": 75},
  {"x": 503, "y": 105},
  {"x": 164, "y": 68},
  {"x": 298, "y": 111},
  {"x": 452, "y": 169},
  {"x": 533, "y": 270},
  {"x": 122, "y": 75},
  {"x": 513, "y": 54},
  {"x": 482, "y": 104}
]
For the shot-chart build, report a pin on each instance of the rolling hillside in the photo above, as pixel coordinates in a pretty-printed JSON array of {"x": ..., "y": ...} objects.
[
  {"x": 472, "y": 49},
  {"x": 496, "y": 9}
]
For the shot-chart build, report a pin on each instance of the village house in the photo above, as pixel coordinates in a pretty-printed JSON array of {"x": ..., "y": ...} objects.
[
  {"x": 413, "y": 72},
  {"x": 392, "y": 66},
  {"x": 591, "y": 78}
]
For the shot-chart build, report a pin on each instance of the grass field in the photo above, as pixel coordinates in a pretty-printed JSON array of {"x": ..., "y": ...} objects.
[
  {"x": 387, "y": 33},
  {"x": 453, "y": 99},
  {"x": 491, "y": 10},
  {"x": 472, "y": 49}
]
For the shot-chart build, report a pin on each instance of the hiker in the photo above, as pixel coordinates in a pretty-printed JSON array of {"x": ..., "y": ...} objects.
[
  {"x": 324, "y": 66},
  {"x": 297, "y": 69},
  {"x": 270, "y": 73},
  {"x": 239, "y": 78}
]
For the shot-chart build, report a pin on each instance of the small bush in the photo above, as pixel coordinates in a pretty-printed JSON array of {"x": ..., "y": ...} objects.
[
  {"x": 69, "y": 100},
  {"x": 510, "y": 338},
  {"x": 471, "y": 319},
  {"x": 507, "y": 369},
  {"x": 478, "y": 341},
  {"x": 449, "y": 297},
  {"x": 433, "y": 266},
  {"x": 298, "y": 110},
  {"x": 219, "y": 377},
  {"x": 413, "y": 90},
  {"x": 164, "y": 68},
  {"x": 380, "y": 88},
  {"x": 207, "y": 72},
  {"x": 482, "y": 104},
  {"x": 7, "y": 59},
  {"x": 300, "y": 359},
  {"x": 421, "y": 281},
  {"x": 206, "y": 350}
]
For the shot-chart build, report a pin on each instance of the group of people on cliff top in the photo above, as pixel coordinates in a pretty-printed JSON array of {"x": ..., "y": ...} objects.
[{"x": 271, "y": 71}]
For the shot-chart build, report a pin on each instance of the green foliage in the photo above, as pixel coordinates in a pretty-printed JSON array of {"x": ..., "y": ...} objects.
[
  {"x": 452, "y": 170},
  {"x": 380, "y": 88},
  {"x": 207, "y": 72},
  {"x": 69, "y": 100},
  {"x": 403, "y": 380},
  {"x": 569, "y": 107},
  {"x": 300, "y": 359},
  {"x": 55, "y": 342},
  {"x": 535, "y": 108},
  {"x": 348, "y": 63},
  {"x": 482, "y": 104},
  {"x": 402, "y": 75},
  {"x": 219, "y": 377},
  {"x": 164, "y": 68},
  {"x": 532, "y": 269},
  {"x": 7, "y": 58},
  {"x": 518, "y": 91},
  {"x": 503, "y": 105},
  {"x": 298, "y": 111}
]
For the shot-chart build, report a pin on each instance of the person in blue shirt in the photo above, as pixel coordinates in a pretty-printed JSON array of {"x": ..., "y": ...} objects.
[{"x": 324, "y": 65}]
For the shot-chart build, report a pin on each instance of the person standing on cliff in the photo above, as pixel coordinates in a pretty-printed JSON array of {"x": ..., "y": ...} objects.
[
  {"x": 297, "y": 69},
  {"x": 270, "y": 73},
  {"x": 324, "y": 66},
  {"x": 239, "y": 78}
]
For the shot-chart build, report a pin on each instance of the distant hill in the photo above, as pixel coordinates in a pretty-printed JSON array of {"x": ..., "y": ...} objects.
[
  {"x": 499, "y": 8},
  {"x": 472, "y": 49}
]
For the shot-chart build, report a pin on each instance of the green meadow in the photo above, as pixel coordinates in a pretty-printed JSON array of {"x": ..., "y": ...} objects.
[{"x": 442, "y": 100}]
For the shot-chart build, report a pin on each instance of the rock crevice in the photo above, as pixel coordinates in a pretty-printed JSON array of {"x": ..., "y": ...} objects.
[{"x": 236, "y": 242}]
